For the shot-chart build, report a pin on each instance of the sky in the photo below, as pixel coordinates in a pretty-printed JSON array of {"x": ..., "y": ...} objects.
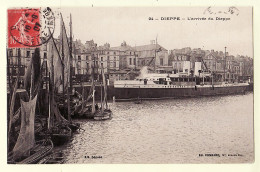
[{"x": 131, "y": 24}]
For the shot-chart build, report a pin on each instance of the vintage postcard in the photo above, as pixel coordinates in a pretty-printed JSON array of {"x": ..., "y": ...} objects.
[{"x": 130, "y": 85}]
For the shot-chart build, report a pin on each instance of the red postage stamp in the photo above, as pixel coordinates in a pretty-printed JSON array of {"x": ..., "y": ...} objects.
[{"x": 30, "y": 27}]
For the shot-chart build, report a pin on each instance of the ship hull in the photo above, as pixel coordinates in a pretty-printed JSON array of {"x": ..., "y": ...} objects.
[{"x": 126, "y": 94}]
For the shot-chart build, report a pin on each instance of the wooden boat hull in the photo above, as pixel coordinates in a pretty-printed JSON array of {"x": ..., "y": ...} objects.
[
  {"x": 107, "y": 114},
  {"x": 40, "y": 150},
  {"x": 54, "y": 158},
  {"x": 59, "y": 135},
  {"x": 74, "y": 126},
  {"x": 62, "y": 136},
  {"x": 86, "y": 115}
]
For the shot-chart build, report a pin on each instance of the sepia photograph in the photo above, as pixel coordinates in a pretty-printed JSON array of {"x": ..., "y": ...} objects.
[{"x": 130, "y": 85}]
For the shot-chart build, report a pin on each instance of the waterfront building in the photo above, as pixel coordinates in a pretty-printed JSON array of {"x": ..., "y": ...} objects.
[
  {"x": 127, "y": 56},
  {"x": 181, "y": 64},
  {"x": 246, "y": 68},
  {"x": 18, "y": 60},
  {"x": 123, "y": 62},
  {"x": 153, "y": 55},
  {"x": 88, "y": 56}
]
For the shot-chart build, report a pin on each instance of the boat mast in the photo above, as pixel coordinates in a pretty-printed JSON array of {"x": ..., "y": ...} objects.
[
  {"x": 93, "y": 84},
  {"x": 225, "y": 65},
  {"x": 49, "y": 103},
  {"x": 83, "y": 90},
  {"x": 62, "y": 55},
  {"x": 105, "y": 87},
  {"x": 101, "y": 100},
  {"x": 47, "y": 91},
  {"x": 69, "y": 88},
  {"x": 51, "y": 91}
]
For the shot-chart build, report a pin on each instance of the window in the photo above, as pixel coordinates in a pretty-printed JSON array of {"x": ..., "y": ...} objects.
[
  {"x": 107, "y": 58},
  {"x": 134, "y": 61},
  {"x": 108, "y": 52},
  {"x": 161, "y": 62},
  {"x": 87, "y": 65},
  {"x": 79, "y": 58},
  {"x": 32, "y": 54},
  {"x": 86, "y": 57},
  {"x": 114, "y": 58},
  {"x": 102, "y": 65},
  {"x": 130, "y": 61},
  {"x": 130, "y": 52},
  {"x": 27, "y": 54},
  {"x": 114, "y": 64},
  {"x": 11, "y": 53},
  {"x": 101, "y": 58},
  {"x": 115, "y": 53},
  {"x": 45, "y": 55}
]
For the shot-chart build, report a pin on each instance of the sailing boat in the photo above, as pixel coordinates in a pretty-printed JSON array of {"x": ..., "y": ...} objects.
[
  {"x": 104, "y": 113},
  {"x": 26, "y": 149},
  {"x": 57, "y": 127},
  {"x": 93, "y": 111}
]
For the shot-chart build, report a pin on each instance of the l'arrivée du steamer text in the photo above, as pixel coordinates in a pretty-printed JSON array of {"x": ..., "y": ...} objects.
[{"x": 191, "y": 18}]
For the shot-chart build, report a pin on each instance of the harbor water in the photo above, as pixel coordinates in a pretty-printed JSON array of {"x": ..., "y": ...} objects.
[{"x": 194, "y": 130}]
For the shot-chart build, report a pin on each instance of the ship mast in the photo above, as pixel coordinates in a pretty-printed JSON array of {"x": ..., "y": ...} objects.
[
  {"x": 225, "y": 65},
  {"x": 69, "y": 90},
  {"x": 93, "y": 84},
  {"x": 62, "y": 55}
]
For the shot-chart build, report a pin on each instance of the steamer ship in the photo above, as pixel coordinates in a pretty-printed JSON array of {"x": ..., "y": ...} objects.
[
  {"x": 158, "y": 86},
  {"x": 162, "y": 85}
]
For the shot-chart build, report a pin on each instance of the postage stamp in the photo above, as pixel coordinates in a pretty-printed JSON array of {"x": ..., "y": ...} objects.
[{"x": 30, "y": 27}]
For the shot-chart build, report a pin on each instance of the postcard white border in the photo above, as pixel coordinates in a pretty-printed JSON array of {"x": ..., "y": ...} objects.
[{"x": 123, "y": 167}]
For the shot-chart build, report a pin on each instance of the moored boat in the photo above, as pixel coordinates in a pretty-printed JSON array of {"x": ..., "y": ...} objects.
[
  {"x": 41, "y": 149},
  {"x": 54, "y": 158},
  {"x": 161, "y": 86},
  {"x": 60, "y": 134},
  {"x": 107, "y": 114},
  {"x": 104, "y": 112}
]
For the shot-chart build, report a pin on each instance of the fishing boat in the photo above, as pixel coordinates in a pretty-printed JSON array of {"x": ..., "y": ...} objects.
[
  {"x": 104, "y": 112},
  {"x": 87, "y": 110},
  {"x": 74, "y": 126},
  {"x": 35, "y": 154},
  {"x": 57, "y": 127},
  {"x": 59, "y": 134},
  {"x": 38, "y": 126},
  {"x": 26, "y": 149},
  {"x": 54, "y": 158}
]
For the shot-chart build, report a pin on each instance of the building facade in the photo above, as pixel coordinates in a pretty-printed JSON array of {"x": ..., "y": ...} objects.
[{"x": 152, "y": 55}]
